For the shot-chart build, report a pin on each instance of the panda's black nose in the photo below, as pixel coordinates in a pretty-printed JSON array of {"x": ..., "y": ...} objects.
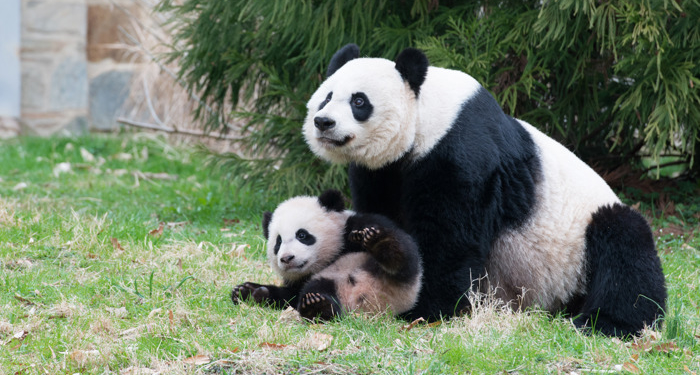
[
  {"x": 323, "y": 123},
  {"x": 286, "y": 259}
]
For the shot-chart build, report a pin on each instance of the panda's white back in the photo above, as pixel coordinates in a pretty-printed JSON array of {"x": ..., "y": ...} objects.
[{"x": 555, "y": 234}]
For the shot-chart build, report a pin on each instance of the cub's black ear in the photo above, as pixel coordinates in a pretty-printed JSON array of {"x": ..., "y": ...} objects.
[
  {"x": 345, "y": 54},
  {"x": 412, "y": 64},
  {"x": 332, "y": 200},
  {"x": 267, "y": 217}
]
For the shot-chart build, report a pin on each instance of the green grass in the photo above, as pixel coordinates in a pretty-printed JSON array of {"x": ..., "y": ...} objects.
[{"x": 88, "y": 285}]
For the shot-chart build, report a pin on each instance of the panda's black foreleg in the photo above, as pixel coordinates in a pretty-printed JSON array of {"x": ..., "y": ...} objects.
[
  {"x": 393, "y": 249},
  {"x": 319, "y": 300},
  {"x": 385, "y": 248},
  {"x": 268, "y": 295},
  {"x": 626, "y": 285}
]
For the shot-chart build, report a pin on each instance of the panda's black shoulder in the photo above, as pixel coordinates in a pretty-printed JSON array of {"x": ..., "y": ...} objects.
[
  {"x": 492, "y": 131},
  {"x": 504, "y": 166},
  {"x": 486, "y": 136}
]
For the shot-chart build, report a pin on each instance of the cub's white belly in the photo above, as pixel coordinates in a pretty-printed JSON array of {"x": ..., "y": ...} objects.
[{"x": 369, "y": 292}]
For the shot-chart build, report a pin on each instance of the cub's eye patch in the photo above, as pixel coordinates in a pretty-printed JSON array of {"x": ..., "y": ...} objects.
[
  {"x": 278, "y": 243},
  {"x": 305, "y": 237},
  {"x": 325, "y": 101}
]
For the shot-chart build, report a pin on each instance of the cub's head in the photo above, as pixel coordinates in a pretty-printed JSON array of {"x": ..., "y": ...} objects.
[
  {"x": 305, "y": 234},
  {"x": 365, "y": 111}
]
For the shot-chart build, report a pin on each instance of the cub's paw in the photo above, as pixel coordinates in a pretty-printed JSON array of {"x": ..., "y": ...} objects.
[
  {"x": 318, "y": 306},
  {"x": 367, "y": 236},
  {"x": 356, "y": 236},
  {"x": 244, "y": 291}
]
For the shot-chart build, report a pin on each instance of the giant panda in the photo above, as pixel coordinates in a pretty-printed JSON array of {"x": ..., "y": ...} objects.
[
  {"x": 494, "y": 204},
  {"x": 332, "y": 260}
]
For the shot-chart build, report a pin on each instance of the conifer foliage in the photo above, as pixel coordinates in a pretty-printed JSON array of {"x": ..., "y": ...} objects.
[{"x": 612, "y": 80}]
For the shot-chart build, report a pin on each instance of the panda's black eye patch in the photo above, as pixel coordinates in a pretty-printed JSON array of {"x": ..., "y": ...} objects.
[
  {"x": 361, "y": 107},
  {"x": 278, "y": 243},
  {"x": 305, "y": 237},
  {"x": 328, "y": 99}
]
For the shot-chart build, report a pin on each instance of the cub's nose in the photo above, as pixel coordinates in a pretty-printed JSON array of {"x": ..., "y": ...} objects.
[
  {"x": 323, "y": 123},
  {"x": 286, "y": 259}
]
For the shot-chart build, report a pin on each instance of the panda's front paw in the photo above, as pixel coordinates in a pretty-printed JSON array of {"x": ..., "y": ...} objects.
[
  {"x": 244, "y": 291},
  {"x": 318, "y": 306},
  {"x": 367, "y": 236},
  {"x": 356, "y": 236}
]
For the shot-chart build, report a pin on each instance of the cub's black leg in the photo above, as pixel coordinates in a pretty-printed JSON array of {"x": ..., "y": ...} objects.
[
  {"x": 626, "y": 286},
  {"x": 269, "y": 295},
  {"x": 318, "y": 306},
  {"x": 392, "y": 248},
  {"x": 318, "y": 300},
  {"x": 384, "y": 248}
]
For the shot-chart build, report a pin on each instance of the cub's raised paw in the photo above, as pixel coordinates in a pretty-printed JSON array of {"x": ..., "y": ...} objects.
[
  {"x": 356, "y": 236},
  {"x": 366, "y": 236},
  {"x": 244, "y": 291},
  {"x": 318, "y": 306}
]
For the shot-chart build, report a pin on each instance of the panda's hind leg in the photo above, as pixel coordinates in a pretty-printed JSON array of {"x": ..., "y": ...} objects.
[
  {"x": 626, "y": 286},
  {"x": 319, "y": 300}
]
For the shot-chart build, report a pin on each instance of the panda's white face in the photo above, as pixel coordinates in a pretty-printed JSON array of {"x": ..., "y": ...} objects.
[
  {"x": 304, "y": 237},
  {"x": 364, "y": 113}
]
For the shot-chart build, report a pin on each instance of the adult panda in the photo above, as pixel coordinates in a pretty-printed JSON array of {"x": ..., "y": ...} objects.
[
  {"x": 492, "y": 202},
  {"x": 333, "y": 260}
]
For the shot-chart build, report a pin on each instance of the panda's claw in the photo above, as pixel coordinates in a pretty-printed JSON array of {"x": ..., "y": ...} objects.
[
  {"x": 371, "y": 233},
  {"x": 356, "y": 236},
  {"x": 316, "y": 306},
  {"x": 366, "y": 236},
  {"x": 370, "y": 236}
]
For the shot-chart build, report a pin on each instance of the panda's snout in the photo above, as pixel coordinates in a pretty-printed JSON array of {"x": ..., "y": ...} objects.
[
  {"x": 286, "y": 259},
  {"x": 323, "y": 123}
]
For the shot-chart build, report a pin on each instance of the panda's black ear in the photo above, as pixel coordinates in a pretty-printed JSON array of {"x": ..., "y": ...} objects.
[
  {"x": 412, "y": 64},
  {"x": 332, "y": 200},
  {"x": 267, "y": 217},
  {"x": 345, "y": 54}
]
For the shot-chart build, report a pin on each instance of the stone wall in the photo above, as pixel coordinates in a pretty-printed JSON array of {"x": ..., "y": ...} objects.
[
  {"x": 54, "y": 66},
  {"x": 74, "y": 77},
  {"x": 110, "y": 68}
]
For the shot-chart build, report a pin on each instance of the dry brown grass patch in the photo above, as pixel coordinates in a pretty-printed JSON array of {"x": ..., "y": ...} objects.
[{"x": 7, "y": 213}]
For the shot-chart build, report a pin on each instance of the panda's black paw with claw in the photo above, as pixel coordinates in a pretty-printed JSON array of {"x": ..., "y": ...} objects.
[
  {"x": 319, "y": 306},
  {"x": 355, "y": 236},
  {"x": 367, "y": 236},
  {"x": 245, "y": 291}
]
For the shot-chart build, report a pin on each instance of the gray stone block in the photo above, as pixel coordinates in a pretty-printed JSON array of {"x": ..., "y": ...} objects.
[
  {"x": 33, "y": 87},
  {"x": 108, "y": 91},
  {"x": 69, "y": 88},
  {"x": 77, "y": 126}
]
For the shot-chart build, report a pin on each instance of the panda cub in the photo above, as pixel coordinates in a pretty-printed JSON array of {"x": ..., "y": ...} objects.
[{"x": 333, "y": 260}]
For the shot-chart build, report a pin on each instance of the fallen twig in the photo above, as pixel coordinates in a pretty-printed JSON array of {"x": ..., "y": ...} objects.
[{"x": 192, "y": 132}]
